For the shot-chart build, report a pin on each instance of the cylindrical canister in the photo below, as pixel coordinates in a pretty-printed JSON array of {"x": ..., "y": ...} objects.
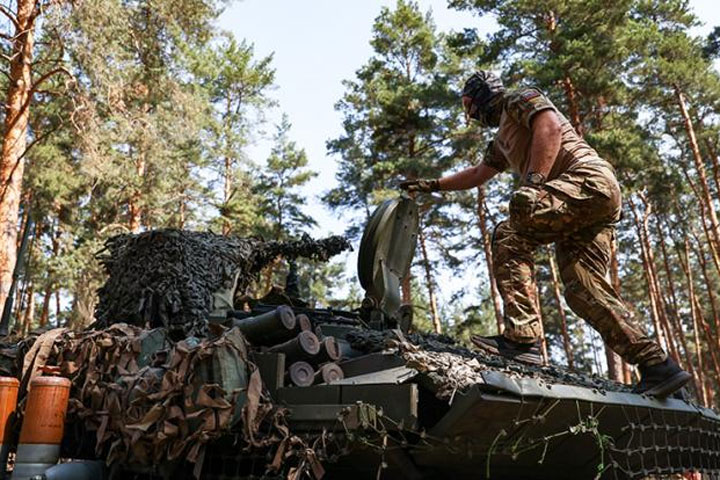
[
  {"x": 329, "y": 373},
  {"x": 268, "y": 328},
  {"x": 8, "y": 403},
  {"x": 301, "y": 374},
  {"x": 303, "y": 347},
  {"x": 43, "y": 426},
  {"x": 303, "y": 323},
  {"x": 329, "y": 351}
]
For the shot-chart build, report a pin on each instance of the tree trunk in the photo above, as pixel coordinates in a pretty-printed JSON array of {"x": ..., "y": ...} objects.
[
  {"x": 623, "y": 367},
  {"x": 698, "y": 378},
  {"x": 45, "y": 312},
  {"x": 699, "y": 167},
  {"x": 710, "y": 340},
  {"x": 714, "y": 252},
  {"x": 29, "y": 314},
  {"x": 709, "y": 285},
  {"x": 712, "y": 151},
  {"x": 654, "y": 314},
  {"x": 614, "y": 365},
  {"x": 666, "y": 266},
  {"x": 405, "y": 289},
  {"x": 697, "y": 317},
  {"x": 437, "y": 326},
  {"x": 17, "y": 111},
  {"x": 487, "y": 247},
  {"x": 570, "y": 95},
  {"x": 655, "y": 283},
  {"x": 136, "y": 210},
  {"x": 58, "y": 307},
  {"x": 55, "y": 245},
  {"x": 561, "y": 311},
  {"x": 227, "y": 191},
  {"x": 21, "y": 288},
  {"x": 674, "y": 318},
  {"x": 711, "y": 393}
]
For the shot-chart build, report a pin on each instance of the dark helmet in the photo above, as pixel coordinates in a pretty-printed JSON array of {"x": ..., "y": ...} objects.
[{"x": 482, "y": 87}]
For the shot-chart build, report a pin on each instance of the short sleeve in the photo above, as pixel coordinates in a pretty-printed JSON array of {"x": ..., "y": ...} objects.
[
  {"x": 523, "y": 105},
  {"x": 494, "y": 158}
]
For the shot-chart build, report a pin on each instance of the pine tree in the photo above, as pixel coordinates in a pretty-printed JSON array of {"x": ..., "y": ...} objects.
[
  {"x": 143, "y": 115},
  {"x": 279, "y": 188},
  {"x": 117, "y": 150},
  {"x": 29, "y": 71},
  {"x": 237, "y": 85},
  {"x": 399, "y": 115}
]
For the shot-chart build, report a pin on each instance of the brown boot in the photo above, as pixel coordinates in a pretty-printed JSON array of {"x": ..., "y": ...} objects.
[
  {"x": 662, "y": 379},
  {"x": 499, "y": 345}
]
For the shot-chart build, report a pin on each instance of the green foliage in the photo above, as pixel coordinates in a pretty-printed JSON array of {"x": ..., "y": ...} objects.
[
  {"x": 400, "y": 112},
  {"x": 159, "y": 116},
  {"x": 278, "y": 188},
  {"x": 236, "y": 85}
]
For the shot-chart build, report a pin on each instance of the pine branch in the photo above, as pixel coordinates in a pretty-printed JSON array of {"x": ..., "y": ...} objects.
[{"x": 11, "y": 16}]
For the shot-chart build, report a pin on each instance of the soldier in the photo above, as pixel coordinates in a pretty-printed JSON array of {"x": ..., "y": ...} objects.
[{"x": 568, "y": 196}]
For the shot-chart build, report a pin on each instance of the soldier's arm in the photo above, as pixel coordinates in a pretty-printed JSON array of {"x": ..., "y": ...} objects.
[
  {"x": 470, "y": 177},
  {"x": 493, "y": 162},
  {"x": 546, "y": 140}
]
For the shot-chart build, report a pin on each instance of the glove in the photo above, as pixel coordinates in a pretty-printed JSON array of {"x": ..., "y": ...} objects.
[{"x": 424, "y": 185}]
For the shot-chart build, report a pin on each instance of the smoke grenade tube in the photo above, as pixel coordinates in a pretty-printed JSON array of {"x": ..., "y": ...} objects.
[
  {"x": 268, "y": 328},
  {"x": 303, "y": 347},
  {"x": 301, "y": 374}
]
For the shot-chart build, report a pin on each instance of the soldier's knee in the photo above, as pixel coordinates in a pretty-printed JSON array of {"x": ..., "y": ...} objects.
[
  {"x": 508, "y": 244},
  {"x": 500, "y": 233},
  {"x": 575, "y": 291}
]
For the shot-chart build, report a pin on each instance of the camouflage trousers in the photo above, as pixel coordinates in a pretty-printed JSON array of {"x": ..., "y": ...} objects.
[{"x": 576, "y": 212}]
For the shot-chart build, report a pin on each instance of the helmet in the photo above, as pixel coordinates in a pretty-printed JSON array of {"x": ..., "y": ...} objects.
[{"x": 482, "y": 88}]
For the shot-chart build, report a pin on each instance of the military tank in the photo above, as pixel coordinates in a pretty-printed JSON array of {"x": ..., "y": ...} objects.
[
  {"x": 412, "y": 406},
  {"x": 280, "y": 390}
]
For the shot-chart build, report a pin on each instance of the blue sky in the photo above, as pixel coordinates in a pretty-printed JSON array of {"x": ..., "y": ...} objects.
[{"x": 317, "y": 44}]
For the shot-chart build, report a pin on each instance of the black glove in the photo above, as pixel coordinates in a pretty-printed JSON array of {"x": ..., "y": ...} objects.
[{"x": 424, "y": 185}]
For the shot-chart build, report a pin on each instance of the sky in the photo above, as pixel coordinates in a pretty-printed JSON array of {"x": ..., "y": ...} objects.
[
  {"x": 316, "y": 45},
  {"x": 319, "y": 43}
]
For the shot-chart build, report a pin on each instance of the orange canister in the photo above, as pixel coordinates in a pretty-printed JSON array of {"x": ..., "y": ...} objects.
[
  {"x": 8, "y": 403},
  {"x": 43, "y": 426}
]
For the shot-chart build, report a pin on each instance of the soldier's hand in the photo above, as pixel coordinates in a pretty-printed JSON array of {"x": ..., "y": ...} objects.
[{"x": 424, "y": 185}]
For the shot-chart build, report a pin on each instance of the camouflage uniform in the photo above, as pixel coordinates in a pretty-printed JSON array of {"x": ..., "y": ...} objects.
[{"x": 576, "y": 210}]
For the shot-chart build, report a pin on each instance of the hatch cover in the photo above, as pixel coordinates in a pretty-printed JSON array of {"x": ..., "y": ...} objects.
[{"x": 386, "y": 251}]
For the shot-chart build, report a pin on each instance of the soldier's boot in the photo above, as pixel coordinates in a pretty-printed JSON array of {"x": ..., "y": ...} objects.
[
  {"x": 661, "y": 380},
  {"x": 499, "y": 345}
]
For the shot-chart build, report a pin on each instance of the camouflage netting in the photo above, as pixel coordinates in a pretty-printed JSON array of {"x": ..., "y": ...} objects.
[
  {"x": 167, "y": 278},
  {"x": 12, "y": 353},
  {"x": 451, "y": 367},
  {"x": 149, "y": 401}
]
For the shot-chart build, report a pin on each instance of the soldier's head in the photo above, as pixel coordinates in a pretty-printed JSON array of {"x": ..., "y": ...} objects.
[{"x": 482, "y": 97}]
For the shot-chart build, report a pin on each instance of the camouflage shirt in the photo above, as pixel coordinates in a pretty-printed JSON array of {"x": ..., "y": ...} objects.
[{"x": 511, "y": 147}]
